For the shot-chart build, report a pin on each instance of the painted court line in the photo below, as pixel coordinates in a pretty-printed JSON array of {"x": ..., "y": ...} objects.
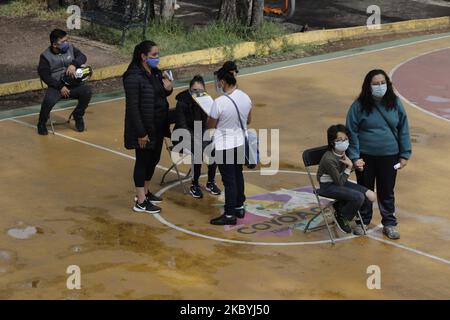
[
  {"x": 410, "y": 249},
  {"x": 93, "y": 145},
  {"x": 272, "y": 69},
  {"x": 171, "y": 225},
  {"x": 392, "y": 73}
]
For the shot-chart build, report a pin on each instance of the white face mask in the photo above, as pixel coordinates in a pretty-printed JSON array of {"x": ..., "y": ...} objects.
[
  {"x": 219, "y": 89},
  {"x": 379, "y": 91},
  {"x": 341, "y": 146}
]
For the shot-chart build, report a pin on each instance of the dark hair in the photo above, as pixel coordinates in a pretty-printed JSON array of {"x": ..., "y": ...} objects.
[
  {"x": 332, "y": 134},
  {"x": 197, "y": 78},
  {"x": 365, "y": 97},
  {"x": 56, "y": 34},
  {"x": 230, "y": 66},
  {"x": 226, "y": 75},
  {"x": 142, "y": 48}
]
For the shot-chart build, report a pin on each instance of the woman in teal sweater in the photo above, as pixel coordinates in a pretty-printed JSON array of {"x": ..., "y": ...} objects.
[{"x": 380, "y": 144}]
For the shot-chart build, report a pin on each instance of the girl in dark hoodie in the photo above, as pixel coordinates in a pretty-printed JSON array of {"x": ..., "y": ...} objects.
[
  {"x": 146, "y": 119},
  {"x": 188, "y": 112}
]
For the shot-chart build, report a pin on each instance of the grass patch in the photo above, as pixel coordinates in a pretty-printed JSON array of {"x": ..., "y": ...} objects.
[
  {"x": 30, "y": 8},
  {"x": 175, "y": 38}
]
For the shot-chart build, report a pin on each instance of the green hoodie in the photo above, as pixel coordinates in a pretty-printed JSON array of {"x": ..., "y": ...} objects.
[{"x": 371, "y": 135}]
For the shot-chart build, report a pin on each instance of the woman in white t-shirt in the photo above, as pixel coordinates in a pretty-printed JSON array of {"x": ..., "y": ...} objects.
[{"x": 229, "y": 141}]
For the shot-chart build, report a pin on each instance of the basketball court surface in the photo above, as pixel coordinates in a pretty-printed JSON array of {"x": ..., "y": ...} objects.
[{"x": 66, "y": 199}]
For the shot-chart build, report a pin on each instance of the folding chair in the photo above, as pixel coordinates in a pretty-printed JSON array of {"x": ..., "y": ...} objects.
[
  {"x": 54, "y": 123},
  {"x": 312, "y": 157},
  {"x": 169, "y": 147}
]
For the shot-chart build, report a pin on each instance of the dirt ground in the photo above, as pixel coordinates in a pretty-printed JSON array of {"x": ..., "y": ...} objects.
[{"x": 115, "y": 84}]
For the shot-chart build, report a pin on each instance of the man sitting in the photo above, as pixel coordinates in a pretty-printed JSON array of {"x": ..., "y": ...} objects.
[{"x": 58, "y": 64}]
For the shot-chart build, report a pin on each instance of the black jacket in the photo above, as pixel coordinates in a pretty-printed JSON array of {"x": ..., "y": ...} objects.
[
  {"x": 188, "y": 111},
  {"x": 147, "y": 107},
  {"x": 44, "y": 70}
]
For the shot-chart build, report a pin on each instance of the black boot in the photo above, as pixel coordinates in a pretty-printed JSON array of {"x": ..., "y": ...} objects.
[
  {"x": 42, "y": 128},
  {"x": 79, "y": 123}
]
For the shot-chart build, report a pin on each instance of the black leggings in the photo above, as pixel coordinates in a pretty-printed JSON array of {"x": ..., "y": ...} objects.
[{"x": 146, "y": 161}]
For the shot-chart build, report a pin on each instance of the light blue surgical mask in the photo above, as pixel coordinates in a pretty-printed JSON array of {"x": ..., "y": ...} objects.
[
  {"x": 379, "y": 91},
  {"x": 341, "y": 146},
  {"x": 153, "y": 62}
]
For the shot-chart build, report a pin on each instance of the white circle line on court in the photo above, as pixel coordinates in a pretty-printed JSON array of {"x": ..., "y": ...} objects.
[
  {"x": 256, "y": 243},
  {"x": 412, "y": 250},
  {"x": 392, "y": 73}
]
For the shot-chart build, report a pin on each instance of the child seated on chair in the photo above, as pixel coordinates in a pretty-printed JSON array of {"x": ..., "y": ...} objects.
[{"x": 334, "y": 171}]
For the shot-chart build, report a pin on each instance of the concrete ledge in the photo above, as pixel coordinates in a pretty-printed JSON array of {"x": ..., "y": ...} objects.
[{"x": 245, "y": 49}]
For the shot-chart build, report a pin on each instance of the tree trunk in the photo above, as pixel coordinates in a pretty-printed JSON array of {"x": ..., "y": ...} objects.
[
  {"x": 152, "y": 9},
  {"x": 228, "y": 12},
  {"x": 52, "y": 4},
  {"x": 257, "y": 13},
  {"x": 244, "y": 11},
  {"x": 167, "y": 10}
]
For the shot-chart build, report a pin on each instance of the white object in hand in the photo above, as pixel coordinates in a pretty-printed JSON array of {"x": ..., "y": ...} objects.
[
  {"x": 79, "y": 73},
  {"x": 397, "y": 166}
]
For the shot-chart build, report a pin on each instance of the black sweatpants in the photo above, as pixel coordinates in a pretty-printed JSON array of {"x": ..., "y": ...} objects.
[
  {"x": 233, "y": 180},
  {"x": 146, "y": 161},
  {"x": 82, "y": 93},
  {"x": 379, "y": 170}
]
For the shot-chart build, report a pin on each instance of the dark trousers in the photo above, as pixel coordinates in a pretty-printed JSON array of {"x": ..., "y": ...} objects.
[
  {"x": 350, "y": 196},
  {"x": 233, "y": 180},
  {"x": 146, "y": 161},
  {"x": 82, "y": 93},
  {"x": 379, "y": 170},
  {"x": 198, "y": 170}
]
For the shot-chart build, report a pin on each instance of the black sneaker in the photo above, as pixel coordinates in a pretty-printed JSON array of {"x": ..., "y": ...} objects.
[
  {"x": 146, "y": 206},
  {"x": 195, "y": 191},
  {"x": 239, "y": 212},
  {"x": 42, "y": 129},
  {"x": 224, "y": 220},
  {"x": 153, "y": 198},
  {"x": 212, "y": 188},
  {"x": 342, "y": 223},
  {"x": 79, "y": 124}
]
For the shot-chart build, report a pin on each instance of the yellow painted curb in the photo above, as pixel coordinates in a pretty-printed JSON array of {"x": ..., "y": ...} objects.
[{"x": 245, "y": 49}]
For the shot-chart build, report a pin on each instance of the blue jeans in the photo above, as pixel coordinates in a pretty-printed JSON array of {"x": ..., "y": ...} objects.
[{"x": 350, "y": 197}]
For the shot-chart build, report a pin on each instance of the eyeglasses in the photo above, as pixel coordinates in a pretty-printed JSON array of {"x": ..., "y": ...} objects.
[{"x": 340, "y": 140}]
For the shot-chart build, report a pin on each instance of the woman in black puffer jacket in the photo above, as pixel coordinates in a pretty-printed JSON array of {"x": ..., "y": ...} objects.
[{"x": 146, "y": 119}]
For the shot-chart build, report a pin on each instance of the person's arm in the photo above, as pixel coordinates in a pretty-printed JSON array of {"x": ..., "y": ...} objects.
[
  {"x": 132, "y": 97},
  {"x": 403, "y": 133},
  {"x": 331, "y": 168},
  {"x": 213, "y": 116},
  {"x": 46, "y": 75},
  {"x": 181, "y": 115},
  {"x": 352, "y": 124},
  {"x": 249, "y": 117},
  {"x": 79, "y": 58}
]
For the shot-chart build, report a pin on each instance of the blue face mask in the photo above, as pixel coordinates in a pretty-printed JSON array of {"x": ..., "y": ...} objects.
[
  {"x": 379, "y": 91},
  {"x": 153, "y": 62},
  {"x": 64, "y": 47},
  {"x": 341, "y": 146}
]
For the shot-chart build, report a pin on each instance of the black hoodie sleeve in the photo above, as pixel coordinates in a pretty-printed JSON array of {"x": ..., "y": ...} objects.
[
  {"x": 45, "y": 74},
  {"x": 181, "y": 116},
  {"x": 79, "y": 58},
  {"x": 132, "y": 101}
]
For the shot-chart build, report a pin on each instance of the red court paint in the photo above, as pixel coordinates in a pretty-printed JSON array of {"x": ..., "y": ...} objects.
[{"x": 425, "y": 82}]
